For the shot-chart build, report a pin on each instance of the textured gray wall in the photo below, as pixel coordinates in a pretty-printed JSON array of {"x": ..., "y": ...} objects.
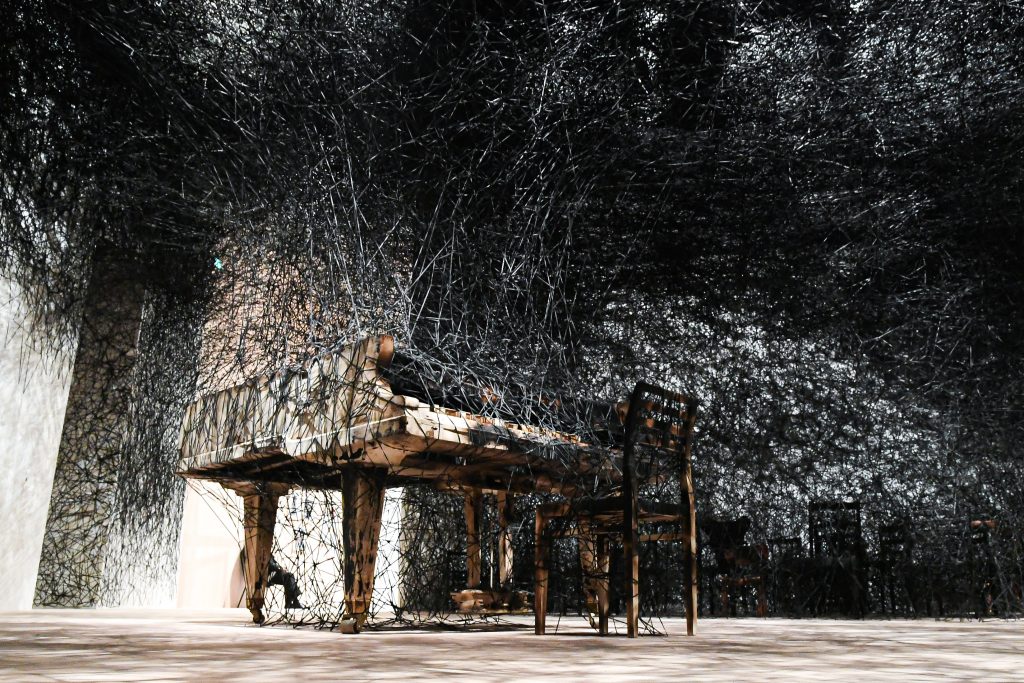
[
  {"x": 141, "y": 564},
  {"x": 96, "y": 423},
  {"x": 35, "y": 394}
]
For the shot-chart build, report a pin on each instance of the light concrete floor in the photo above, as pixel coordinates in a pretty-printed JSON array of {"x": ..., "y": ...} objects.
[{"x": 180, "y": 645}]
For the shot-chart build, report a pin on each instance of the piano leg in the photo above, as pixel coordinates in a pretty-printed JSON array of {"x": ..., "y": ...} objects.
[
  {"x": 505, "y": 553},
  {"x": 541, "y": 558},
  {"x": 586, "y": 539},
  {"x": 474, "y": 511},
  {"x": 631, "y": 552},
  {"x": 603, "y": 599},
  {"x": 362, "y": 501},
  {"x": 691, "y": 550},
  {"x": 260, "y": 514}
]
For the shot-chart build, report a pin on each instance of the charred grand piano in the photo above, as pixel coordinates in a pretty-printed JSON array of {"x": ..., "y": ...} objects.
[{"x": 341, "y": 423}]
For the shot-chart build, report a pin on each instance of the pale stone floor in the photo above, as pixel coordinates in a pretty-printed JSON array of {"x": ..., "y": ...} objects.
[{"x": 179, "y": 645}]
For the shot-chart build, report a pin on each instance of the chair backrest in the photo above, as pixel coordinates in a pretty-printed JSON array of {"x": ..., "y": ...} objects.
[
  {"x": 727, "y": 538},
  {"x": 658, "y": 427},
  {"x": 726, "y": 534},
  {"x": 786, "y": 547},
  {"x": 981, "y": 528},
  {"x": 895, "y": 542},
  {"x": 835, "y": 528}
]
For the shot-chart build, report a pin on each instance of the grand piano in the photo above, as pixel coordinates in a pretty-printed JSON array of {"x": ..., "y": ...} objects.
[{"x": 349, "y": 421}]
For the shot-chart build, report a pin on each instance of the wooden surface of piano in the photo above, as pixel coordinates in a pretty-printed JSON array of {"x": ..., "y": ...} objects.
[{"x": 336, "y": 424}]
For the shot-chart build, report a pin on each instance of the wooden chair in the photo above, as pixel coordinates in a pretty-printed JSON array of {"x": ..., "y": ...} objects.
[
  {"x": 787, "y": 571},
  {"x": 738, "y": 564},
  {"x": 657, "y": 436},
  {"x": 984, "y": 573},
  {"x": 839, "y": 556},
  {"x": 894, "y": 568}
]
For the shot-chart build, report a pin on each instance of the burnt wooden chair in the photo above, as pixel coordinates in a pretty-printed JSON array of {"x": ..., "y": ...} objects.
[
  {"x": 965, "y": 580},
  {"x": 893, "y": 568},
  {"x": 997, "y": 547},
  {"x": 787, "y": 567},
  {"x": 945, "y": 568},
  {"x": 656, "y": 442},
  {"x": 984, "y": 570},
  {"x": 839, "y": 557},
  {"x": 738, "y": 565}
]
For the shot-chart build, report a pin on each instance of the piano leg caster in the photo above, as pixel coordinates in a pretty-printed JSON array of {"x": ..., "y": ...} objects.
[
  {"x": 257, "y": 616},
  {"x": 351, "y": 624}
]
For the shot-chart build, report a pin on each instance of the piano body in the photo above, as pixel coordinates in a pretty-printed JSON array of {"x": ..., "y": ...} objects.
[{"x": 336, "y": 424}]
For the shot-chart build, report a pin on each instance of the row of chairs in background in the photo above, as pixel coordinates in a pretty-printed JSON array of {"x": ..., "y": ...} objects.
[{"x": 971, "y": 567}]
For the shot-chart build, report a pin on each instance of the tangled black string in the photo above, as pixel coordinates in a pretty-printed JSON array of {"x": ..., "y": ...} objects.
[{"x": 806, "y": 214}]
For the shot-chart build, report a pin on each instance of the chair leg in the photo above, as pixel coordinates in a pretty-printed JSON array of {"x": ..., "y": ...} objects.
[
  {"x": 603, "y": 599},
  {"x": 762, "y": 598},
  {"x": 691, "y": 552},
  {"x": 631, "y": 552},
  {"x": 632, "y": 582},
  {"x": 540, "y": 575},
  {"x": 586, "y": 540}
]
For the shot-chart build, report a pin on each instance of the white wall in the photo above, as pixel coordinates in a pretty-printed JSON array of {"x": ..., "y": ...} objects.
[
  {"x": 34, "y": 397},
  {"x": 209, "y": 570}
]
